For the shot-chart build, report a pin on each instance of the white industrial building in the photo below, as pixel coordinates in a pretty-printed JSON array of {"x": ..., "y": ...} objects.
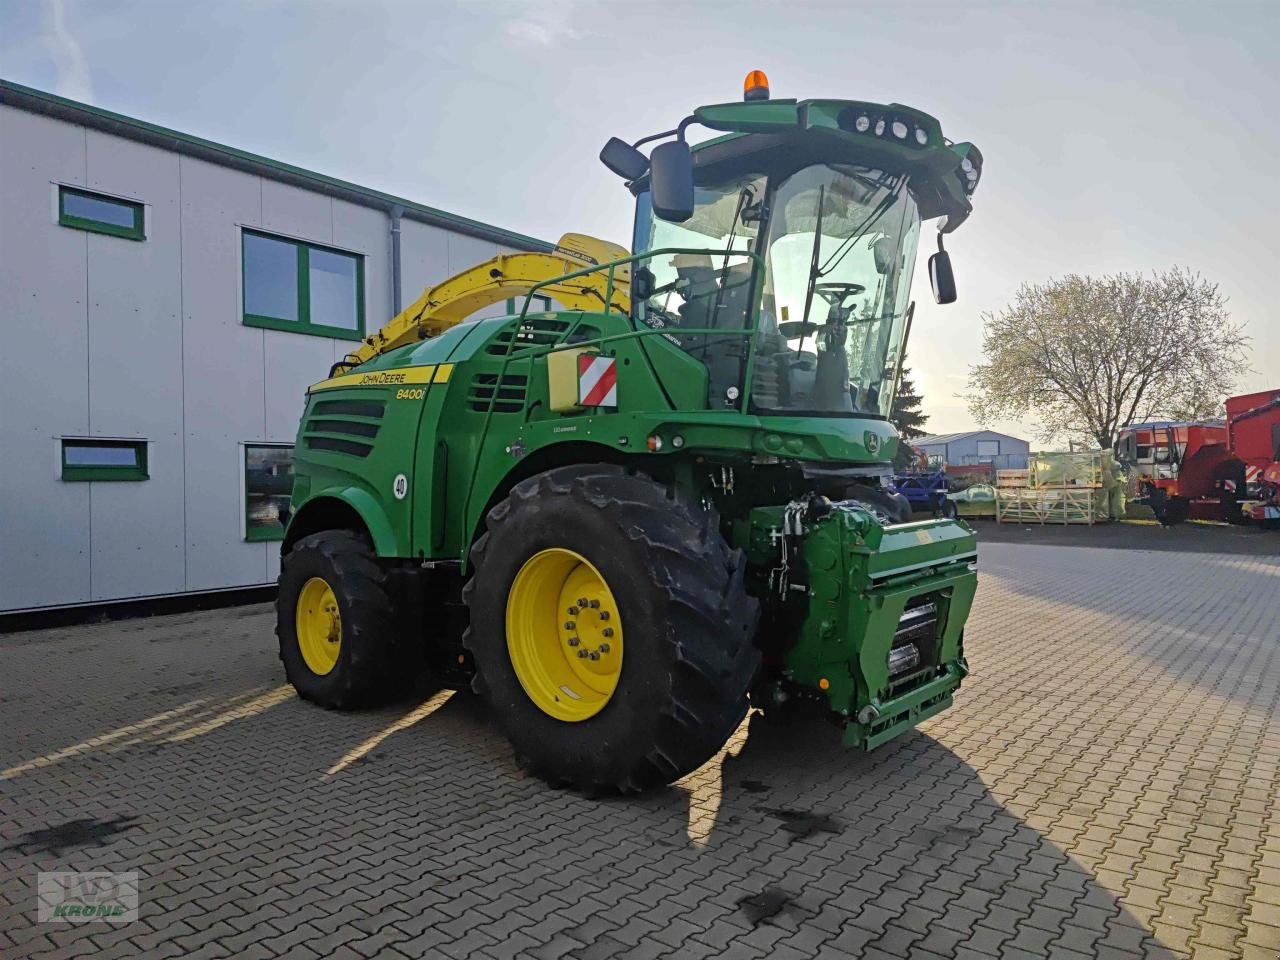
[{"x": 165, "y": 302}]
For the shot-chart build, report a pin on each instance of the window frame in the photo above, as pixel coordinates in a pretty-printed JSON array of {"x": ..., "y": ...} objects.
[
  {"x": 257, "y": 534},
  {"x": 302, "y": 249},
  {"x": 81, "y": 473},
  {"x": 137, "y": 232}
]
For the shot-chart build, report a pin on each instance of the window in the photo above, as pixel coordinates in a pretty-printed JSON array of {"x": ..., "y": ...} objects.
[
  {"x": 302, "y": 288},
  {"x": 268, "y": 485},
  {"x": 988, "y": 449},
  {"x": 92, "y": 211},
  {"x": 104, "y": 460}
]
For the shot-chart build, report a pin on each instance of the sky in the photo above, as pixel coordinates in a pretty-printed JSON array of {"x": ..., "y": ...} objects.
[{"x": 1115, "y": 137}]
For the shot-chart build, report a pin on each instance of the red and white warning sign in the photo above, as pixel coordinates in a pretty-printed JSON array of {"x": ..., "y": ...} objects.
[{"x": 597, "y": 381}]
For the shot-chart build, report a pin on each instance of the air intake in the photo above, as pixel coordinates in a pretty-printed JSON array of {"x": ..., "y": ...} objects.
[{"x": 506, "y": 396}]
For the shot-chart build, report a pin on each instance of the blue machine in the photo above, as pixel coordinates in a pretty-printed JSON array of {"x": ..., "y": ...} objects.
[{"x": 927, "y": 491}]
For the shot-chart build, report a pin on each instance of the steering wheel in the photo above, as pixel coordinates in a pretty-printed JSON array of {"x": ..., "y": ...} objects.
[{"x": 836, "y": 293}]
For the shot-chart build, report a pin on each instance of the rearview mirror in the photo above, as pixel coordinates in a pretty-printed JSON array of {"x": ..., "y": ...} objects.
[
  {"x": 941, "y": 278},
  {"x": 642, "y": 284},
  {"x": 671, "y": 181},
  {"x": 624, "y": 159}
]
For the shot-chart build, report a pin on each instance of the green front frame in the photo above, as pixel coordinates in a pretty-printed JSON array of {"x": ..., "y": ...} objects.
[
  {"x": 137, "y": 232},
  {"x": 303, "y": 324}
]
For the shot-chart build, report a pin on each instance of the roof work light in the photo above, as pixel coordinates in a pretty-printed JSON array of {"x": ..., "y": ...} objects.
[{"x": 756, "y": 86}]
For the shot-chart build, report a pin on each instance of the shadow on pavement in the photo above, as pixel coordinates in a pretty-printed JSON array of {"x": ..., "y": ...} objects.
[{"x": 904, "y": 846}]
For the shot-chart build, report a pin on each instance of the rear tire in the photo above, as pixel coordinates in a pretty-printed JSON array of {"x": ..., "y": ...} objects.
[
  {"x": 366, "y": 668},
  {"x": 685, "y": 622}
]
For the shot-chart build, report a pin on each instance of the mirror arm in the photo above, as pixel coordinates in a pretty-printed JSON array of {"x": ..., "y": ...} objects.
[
  {"x": 678, "y": 132},
  {"x": 655, "y": 136}
]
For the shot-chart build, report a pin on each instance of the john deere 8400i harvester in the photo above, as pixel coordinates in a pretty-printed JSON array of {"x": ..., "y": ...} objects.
[{"x": 624, "y": 521}]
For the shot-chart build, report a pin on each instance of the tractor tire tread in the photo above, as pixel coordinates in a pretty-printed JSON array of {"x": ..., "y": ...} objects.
[
  {"x": 370, "y": 674},
  {"x": 710, "y": 620}
]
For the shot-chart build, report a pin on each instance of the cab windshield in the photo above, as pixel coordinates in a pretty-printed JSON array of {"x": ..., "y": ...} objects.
[
  {"x": 838, "y": 244},
  {"x": 840, "y": 252}
]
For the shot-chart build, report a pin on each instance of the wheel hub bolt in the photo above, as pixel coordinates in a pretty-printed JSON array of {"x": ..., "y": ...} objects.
[
  {"x": 607, "y": 632},
  {"x": 594, "y": 604},
  {"x": 572, "y": 611},
  {"x": 595, "y": 654},
  {"x": 603, "y": 648},
  {"x": 582, "y": 601},
  {"x": 604, "y": 614},
  {"x": 569, "y": 624},
  {"x": 574, "y": 641},
  {"x": 582, "y": 654}
]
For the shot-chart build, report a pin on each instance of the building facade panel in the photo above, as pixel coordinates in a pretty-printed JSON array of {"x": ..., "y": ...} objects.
[
  {"x": 137, "y": 334},
  {"x": 44, "y": 388},
  {"x": 136, "y": 529},
  {"x": 224, "y": 374},
  {"x": 424, "y": 258}
]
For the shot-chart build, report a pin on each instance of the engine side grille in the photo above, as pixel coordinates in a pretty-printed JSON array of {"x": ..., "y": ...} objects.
[
  {"x": 352, "y": 418},
  {"x": 357, "y": 428},
  {"x": 351, "y": 408},
  {"x": 535, "y": 331},
  {"x": 508, "y": 396},
  {"x": 334, "y": 445}
]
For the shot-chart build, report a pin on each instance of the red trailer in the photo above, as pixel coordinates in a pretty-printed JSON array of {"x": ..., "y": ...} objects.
[{"x": 1210, "y": 470}]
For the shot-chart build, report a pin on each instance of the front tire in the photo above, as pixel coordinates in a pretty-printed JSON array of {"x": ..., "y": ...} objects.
[
  {"x": 672, "y": 684},
  {"x": 336, "y": 623}
]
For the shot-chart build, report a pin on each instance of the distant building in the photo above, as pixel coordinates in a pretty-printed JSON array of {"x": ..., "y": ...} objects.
[
  {"x": 977, "y": 447},
  {"x": 166, "y": 301}
]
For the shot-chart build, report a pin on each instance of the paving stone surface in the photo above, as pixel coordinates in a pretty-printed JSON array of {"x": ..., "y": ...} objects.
[{"x": 1107, "y": 785}]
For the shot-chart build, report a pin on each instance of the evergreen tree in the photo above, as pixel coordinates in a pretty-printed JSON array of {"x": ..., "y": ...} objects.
[{"x": 906, "y": 416}]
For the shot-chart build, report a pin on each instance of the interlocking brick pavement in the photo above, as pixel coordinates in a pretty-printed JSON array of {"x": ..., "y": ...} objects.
[{"x": 1106, "y": 786}]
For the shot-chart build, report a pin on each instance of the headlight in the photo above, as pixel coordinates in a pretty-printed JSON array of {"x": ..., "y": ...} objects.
[
  {"x": 966, "y": 165},
  {"x": 899, "y": 129},
  {"x": 922, "y": 138},
  {"x": 862, "y": 124},
  {"x": 879, "y": 128}
]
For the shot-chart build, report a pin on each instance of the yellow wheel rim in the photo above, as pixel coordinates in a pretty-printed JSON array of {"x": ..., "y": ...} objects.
[
  {"x": 564, "y": 634},
  {"x": 319, "y": 626}
]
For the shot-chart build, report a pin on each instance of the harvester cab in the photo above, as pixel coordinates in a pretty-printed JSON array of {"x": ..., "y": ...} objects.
[{"x": 624, "y": 520}]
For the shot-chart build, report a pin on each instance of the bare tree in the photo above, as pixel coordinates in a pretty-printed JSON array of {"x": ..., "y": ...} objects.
[{"x": 1085, "y": 356}]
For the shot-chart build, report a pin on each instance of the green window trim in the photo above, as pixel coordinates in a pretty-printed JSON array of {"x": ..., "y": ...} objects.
[
  {"x": 80, "y": 472},
  {"x": 303, "y": 324},
  {"x": 263, "y": 535},
  {"x": 136, "y": 232}
]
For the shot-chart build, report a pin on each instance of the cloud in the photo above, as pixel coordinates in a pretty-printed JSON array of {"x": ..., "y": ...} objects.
[
  {"x": 544, "y": 27},
  {"x": 69, "y": 63}
]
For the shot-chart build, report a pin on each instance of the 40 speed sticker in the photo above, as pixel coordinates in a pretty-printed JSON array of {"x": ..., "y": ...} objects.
[{"x": 400, "y": 486}]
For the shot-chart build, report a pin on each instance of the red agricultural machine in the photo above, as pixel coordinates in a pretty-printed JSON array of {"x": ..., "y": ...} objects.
[{"x": 1210, "y": 471}]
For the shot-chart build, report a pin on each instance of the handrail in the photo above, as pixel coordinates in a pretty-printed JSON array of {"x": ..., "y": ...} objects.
[
  {"x": 536, "y": 350},
  {"x": 747, "y": 331}
]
